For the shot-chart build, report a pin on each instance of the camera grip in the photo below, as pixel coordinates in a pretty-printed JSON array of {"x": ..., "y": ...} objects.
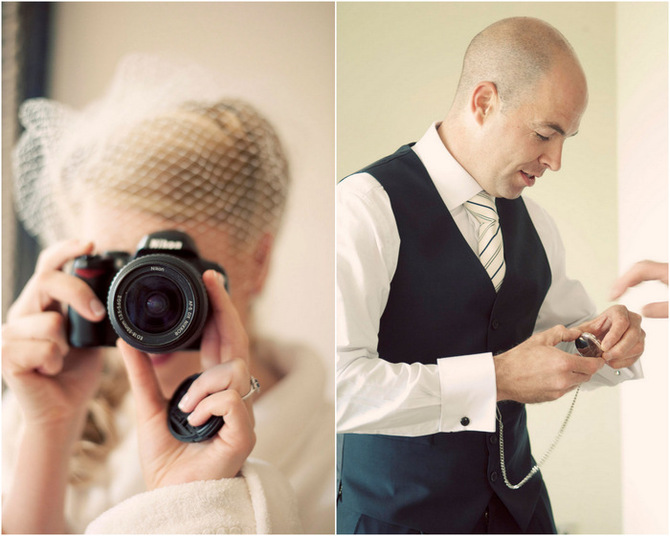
[{"x": 96, "y": 272}]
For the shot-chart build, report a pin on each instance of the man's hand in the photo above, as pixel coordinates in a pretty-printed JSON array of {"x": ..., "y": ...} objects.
[
  {"x": 621, "y": 334},
  {"x": 536, "y": 371}
]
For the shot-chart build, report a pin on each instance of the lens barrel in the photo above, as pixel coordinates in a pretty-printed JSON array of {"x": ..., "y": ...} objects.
[{"x": 158, "y": 303}]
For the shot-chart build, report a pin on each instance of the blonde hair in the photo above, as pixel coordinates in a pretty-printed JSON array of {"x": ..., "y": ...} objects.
[{"x": 100, "y": 435}]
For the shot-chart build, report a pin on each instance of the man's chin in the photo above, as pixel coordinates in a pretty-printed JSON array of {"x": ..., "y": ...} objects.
[{"x": 511, "y": 192}]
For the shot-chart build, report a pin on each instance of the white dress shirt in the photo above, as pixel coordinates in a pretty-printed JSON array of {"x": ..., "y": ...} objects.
[{"x": 378, "y": 397}]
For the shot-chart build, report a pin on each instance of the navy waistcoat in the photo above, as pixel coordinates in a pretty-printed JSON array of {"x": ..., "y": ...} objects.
[{"x": 442, "y": 303}]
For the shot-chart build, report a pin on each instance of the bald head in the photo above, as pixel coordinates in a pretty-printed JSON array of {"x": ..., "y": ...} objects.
[{"x": 514, "y": 54}]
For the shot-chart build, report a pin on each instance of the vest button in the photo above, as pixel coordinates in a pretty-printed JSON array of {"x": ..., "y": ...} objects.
[
  {"x": 495, "y": 324},
  {"x": 465, "y": 421},
  {"x": 494, "y": 476},
  {"x": 493, "y": 439}
]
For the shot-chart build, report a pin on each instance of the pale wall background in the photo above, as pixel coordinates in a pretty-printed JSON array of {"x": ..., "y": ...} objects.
[
  {"x": 642, "y": 104},
  {"x": 398, "y": 65},
  {"x": 280, "y": 57}
]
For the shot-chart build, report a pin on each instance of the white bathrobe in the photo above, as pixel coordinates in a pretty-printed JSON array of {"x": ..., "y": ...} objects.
[{"x": 294, "y": 427}]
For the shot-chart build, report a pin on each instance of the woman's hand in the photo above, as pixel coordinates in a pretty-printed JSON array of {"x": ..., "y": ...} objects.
[
  {"x": 217, "y": 391},
  {"x": 51, "y": 381}
]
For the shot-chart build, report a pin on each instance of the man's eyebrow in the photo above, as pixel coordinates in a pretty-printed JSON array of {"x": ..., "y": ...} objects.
[{"x": 558, "y": 129}]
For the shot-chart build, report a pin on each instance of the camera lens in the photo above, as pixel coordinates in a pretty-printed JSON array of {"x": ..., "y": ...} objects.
[
  {"x": 158, "y": 303},
  {"x": 154, "y": 303}
]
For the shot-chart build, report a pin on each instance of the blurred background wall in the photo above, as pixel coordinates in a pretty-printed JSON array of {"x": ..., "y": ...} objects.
[
  {"x": 642, "y": 115},
  {"x": 280, "y": 57},
  {"x": 398, "y": 65}
]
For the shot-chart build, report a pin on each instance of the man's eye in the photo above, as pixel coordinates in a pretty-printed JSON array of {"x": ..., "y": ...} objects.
[{"x": 541, "y": 137}]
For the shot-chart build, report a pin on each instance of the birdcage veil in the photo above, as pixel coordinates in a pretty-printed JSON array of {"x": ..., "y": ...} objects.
[{"x": 161, "y": 141}]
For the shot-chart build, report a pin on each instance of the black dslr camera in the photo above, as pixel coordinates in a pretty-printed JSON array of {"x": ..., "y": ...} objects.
[{"x": 156, "y": 299}]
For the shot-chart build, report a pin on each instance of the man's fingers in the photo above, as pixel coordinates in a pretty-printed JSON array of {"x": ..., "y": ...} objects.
[
  {"x": 631, "y": 345},
  {"x": 627, "y": 360},
  {"x": 558, "y": 334},
  {"x": 620, "y": 319},
  {"x": 585, "y": 366},
  {"x": 598, "y": 326},
  {"x": 143, "y": 381}
]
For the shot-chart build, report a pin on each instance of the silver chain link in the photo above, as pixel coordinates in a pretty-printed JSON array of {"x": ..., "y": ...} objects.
[{"x": 536, "y": 467}]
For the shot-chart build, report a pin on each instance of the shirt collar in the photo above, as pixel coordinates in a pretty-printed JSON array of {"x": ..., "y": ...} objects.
[{"x": 454, "y": 184}]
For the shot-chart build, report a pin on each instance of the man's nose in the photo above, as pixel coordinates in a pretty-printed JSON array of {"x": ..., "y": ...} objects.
[{"x": 551, "y": 158}]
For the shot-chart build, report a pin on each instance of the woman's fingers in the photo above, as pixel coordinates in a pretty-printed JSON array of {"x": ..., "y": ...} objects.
[
  {"x": 143, "y": 381},
  {"x": 232, "y": 375},
  {"x": 35, "y": 342},
  {"x": 655, "y": 310},
  {"x": 69, "y": 290},
  {"x": 49, "y": 286},
  {"x": 48, "y": 326},
  {"x": 228, "y": 339},
  {"x": 636, "y": 274},
  {"x": 56, "y": 256},
  {"x": 236, "y": 438},
  {"x": 27, "y": 355},
  {"x": 210, "y": 346},
  {"x": 229, "y": 405}
]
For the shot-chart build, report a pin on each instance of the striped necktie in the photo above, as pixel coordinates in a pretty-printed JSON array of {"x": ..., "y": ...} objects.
[{"x": 489, "y": 236}]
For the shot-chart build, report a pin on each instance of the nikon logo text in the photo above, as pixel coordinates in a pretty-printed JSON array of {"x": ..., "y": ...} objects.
[{"x": 162, "y": 243}]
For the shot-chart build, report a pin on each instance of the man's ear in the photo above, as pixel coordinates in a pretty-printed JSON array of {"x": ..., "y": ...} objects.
[{"x": 483, "y": 101}]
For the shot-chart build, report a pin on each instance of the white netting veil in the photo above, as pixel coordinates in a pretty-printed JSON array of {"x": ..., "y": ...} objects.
[{"x": 161, "y": 142}]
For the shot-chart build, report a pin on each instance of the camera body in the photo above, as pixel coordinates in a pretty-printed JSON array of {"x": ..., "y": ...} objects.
[{"x": 156, "y": 299}]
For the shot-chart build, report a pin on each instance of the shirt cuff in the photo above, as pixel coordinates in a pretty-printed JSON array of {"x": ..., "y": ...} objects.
[
  {"x": 468, "y": 393},
  {"x": 610, "y": 377}
]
